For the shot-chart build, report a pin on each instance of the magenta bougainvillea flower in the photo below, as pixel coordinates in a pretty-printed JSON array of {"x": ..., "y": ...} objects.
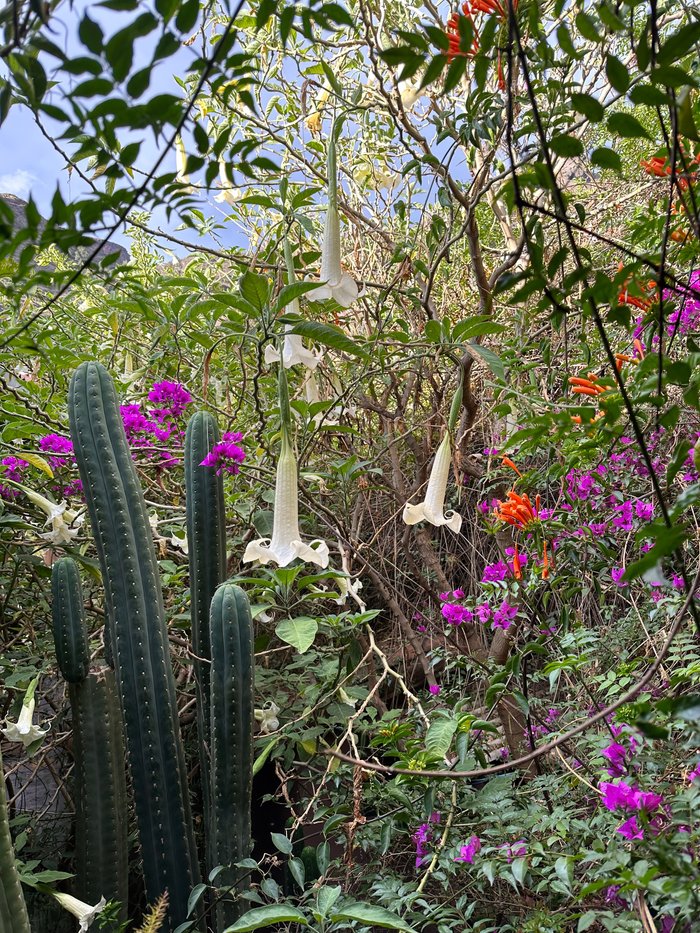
[
  {"x": 469, "y": 850},
  {"x": 171, "y": 399},
  {"x": 513, "y": 850},
  {"x": 227, "y": 454}
]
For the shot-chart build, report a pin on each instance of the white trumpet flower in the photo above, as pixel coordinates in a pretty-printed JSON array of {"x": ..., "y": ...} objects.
[
  {"x": 432, "y": 509},
  {"x": 335, "y": 283},
  {"x": 84, "y": 912},
  {"x": 24, "y": 730},
  {"x": 294, "y": 353},
  {"x": 65, "y": 523},
  {"x": 286, "y": 544},
  {"x": 181, "y": 163},
  {"x": 228, "y": 194},
  {"x": 267, "y": 717}
]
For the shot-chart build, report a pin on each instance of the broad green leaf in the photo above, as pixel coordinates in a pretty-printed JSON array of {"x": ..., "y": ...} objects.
[
  {"x": 261, "y": 917},
  {"x": 492, "y": 360},
  {"x": 326, "y": 898},
  {"x": 299, "y": 633},
  {"x": 264, "y": 755},
  {"x": 328, "y": 335},
  {"x": 617, "y": 73},
  {"x": 566, "y": 146},
  {"x": 281, "y": 843},
  {"x": 626, "y": 126},
  {"x": 439, "y": 736},
  {"x": 606, "y": 158},
  {"x": 371, "y": 915}
]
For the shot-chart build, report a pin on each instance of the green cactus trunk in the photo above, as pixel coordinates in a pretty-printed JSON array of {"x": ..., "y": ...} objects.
[
  {"x": 206, "y": 536},
  {"x": 101, "y": 811},
  {"x": 139, "y": 638},
  {"x": 101, "y": 837},
  {"x": 69, "y": 628},
  {"x": 231, "y": 740},
  {"x": 13, "y": 910}
]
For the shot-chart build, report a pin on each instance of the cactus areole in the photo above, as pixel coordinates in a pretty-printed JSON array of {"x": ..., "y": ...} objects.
[{"x": 134, "y": 605}]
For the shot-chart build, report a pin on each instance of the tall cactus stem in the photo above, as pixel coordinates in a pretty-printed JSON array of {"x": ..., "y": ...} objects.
[
  {"x": 206, "y": 536},
  {"x": 69, "y": 629},
  {"x": 139, "y": 635},
  {"x": 101, "y": 832},
  {"x": 231, "y": 740},
  {"x": 13, "y": 910}
]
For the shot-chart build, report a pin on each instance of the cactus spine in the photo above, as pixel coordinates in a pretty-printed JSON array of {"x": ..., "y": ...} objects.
[
  {"x": 231, "y": 739},
  {"x": 139, "y": 637},
  {"x": 101, "y": 840},
  {"x": 206, "y": 536},
  {"x": 13, "y": 910}
]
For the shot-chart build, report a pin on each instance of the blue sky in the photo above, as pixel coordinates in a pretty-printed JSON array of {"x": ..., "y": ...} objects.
[{"x": 30, "y": 164}]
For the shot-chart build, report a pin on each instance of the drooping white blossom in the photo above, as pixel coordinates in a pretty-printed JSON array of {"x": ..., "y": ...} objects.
[
  {"x": 294, "y": 353},
  {"x": 229, "y": 194},
  {"x": 286, "y": 544},
  {"x": 24, "y": 730},
  {"x": 335, "y": 283},
  {"x": 65, "y": 523},
  {"x": 85, "y": 913},
  {"x": 432, "y": 509}
]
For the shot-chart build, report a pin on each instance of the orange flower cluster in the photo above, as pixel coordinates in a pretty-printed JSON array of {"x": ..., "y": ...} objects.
[
  {"x": 586, "y": 386},
  {"x": 517, "y": 510},
  {"x": 454, "y": 38},
  {"x": 660, "y": 167}
]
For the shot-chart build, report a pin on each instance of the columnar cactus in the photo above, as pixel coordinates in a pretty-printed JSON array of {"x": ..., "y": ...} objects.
[
  {"x": 231, "y": 739},
  {"x": 13, "y": 910},
  {"x": 139, "y": 637},
  {"x": 101, "y": 836},
  {"x": 206, "y": 536}
]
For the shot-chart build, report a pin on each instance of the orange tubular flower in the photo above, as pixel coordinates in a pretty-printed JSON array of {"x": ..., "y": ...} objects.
[
  {"x": 517, "y": 569},
  {"x": 506, "y": 461},
  {"x": 581, "y": 386},
  {"x": 545, "y": 562},
  {"x": 638, "y": 348},
  {"x": 516, "y": 510},
  {"x": 454, "y": 38}
]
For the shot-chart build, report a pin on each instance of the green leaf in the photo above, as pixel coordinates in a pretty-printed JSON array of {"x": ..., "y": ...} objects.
[
  {"x": 298, "y": 872},
  {"x": 606, "y": 158},
  {"x": 290, "y": 292},
  {"x": 263, "y": 756},
  {"x": 329, "y": 335},
  {"x": 586, "y": 921},
  {"x": 326, "y": 898},
  {"x": 266, "y": 917},
  {"x": 281, "y": 843},
  {"x": 255, "y": 289},
  {"x": 627, "y": 126},
  {"x": 371, "y": 915},
  {"x": 299, "y": 633},
  {"x": 91, "y": 35},
  {"x": 492, "y": 360},
  {"x": 617, "y": 73},
  {"x": 679, "y": 43},
  {"x": 439, "y": 736},
  {"x": 589, "y": 106},
  {"x": 566, "y": 146}
]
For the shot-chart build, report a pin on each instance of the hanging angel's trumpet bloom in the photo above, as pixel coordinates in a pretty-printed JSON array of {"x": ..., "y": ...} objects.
[
  {"x": 432, "y": 509},
  {"x": 335, "y": 283},
  {"x": 64, "y": 522},
  {"x": 181, "y": 164},
  {"x": 85, "y": 913},
  {"x": 229, "y": 193},
  {"x": 294, "y": 353},
  {"x": 24, "y": 730},
  {"x": 286, "y": 544}
]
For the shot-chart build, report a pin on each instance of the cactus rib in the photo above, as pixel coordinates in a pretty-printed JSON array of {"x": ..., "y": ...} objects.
[
  {"x": 139, "y": 637},
  {"x": 69, "y": 631}
]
